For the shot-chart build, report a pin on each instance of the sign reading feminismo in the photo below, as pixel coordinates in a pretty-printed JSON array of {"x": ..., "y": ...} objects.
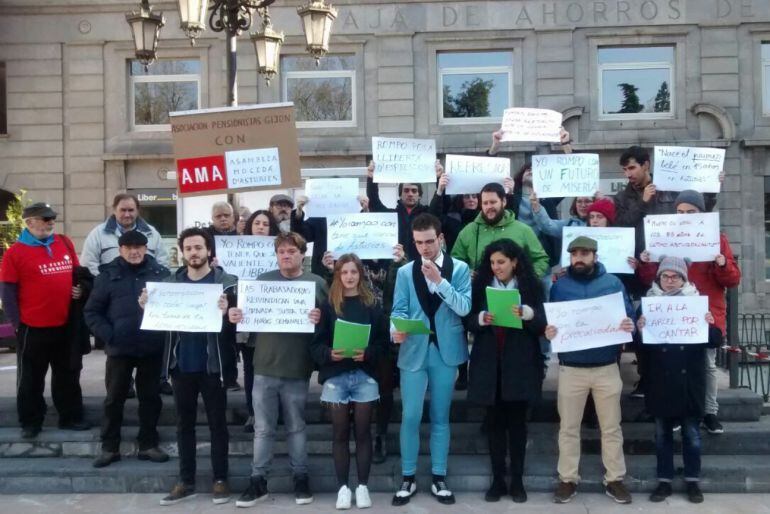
[{"x": 235, "y": 149}]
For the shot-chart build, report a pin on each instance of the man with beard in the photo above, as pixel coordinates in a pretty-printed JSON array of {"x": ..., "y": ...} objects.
[
  {"x": 593, "y": 371},
  {"x": 495, "y": 222},
  {"x": 280, "y": 207}
]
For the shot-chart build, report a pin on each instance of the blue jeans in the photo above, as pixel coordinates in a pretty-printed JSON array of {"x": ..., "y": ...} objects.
[
  {"x": 664, "y": 444},
  {"x": 440, "y": 378}
]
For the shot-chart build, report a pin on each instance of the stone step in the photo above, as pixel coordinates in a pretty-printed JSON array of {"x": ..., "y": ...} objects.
[
  {"x": 741, "y": 438},
  {"x": 734, "y": 405},
  {"x": 467, "y": 474}
]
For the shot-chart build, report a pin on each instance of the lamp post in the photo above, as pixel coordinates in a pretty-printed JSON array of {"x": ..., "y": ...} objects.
[{"x": 233, "y": 17}]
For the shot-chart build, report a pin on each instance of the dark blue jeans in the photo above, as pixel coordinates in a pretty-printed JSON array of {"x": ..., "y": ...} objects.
[{"x": 664, "y": 443}]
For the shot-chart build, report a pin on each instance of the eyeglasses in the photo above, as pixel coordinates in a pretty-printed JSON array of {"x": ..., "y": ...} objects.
[{"x": 670, "y": 277}]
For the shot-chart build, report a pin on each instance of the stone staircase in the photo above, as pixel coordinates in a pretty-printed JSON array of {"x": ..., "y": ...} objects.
[{"x": 59, "y": 461}]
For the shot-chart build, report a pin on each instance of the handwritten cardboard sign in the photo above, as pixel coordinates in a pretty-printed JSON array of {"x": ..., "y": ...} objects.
[
  {"x": 182, "y": 307},
  {"x": 368, "y": 235},
  {"x": 526, "y": 124},
  {"x": 246, "y": 257},
  {"x": 330, "y": 196},
  {"x": 235, "y": 149},
  {"x": 691, "y": 236},
  {"x": 399, "y": 160},
  {"x": 677, "y": 168},
  {"x": 615, "y": 245},
  {"x": 584, "y": 324},
  {"x": 560, "y": 175},
  {"x": 276, "y": 306},
  {"x": 467, "y": 174},
  {"x": 675, "y": 319}
]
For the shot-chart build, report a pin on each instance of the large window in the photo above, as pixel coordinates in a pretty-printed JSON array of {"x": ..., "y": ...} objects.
[
  {"x": 766, "y": 79},
  {"x": 323, "y": 95},
  {"x": 166, "y": 86},
  {"x": 636, "y": 82},
  {"x": 3, "y": 104},
  {"x": 474, "y": 86}
]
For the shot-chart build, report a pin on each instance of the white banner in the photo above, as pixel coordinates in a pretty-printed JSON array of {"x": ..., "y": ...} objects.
[
  {"x": 560, "y": 175},
  {"x": 691, "y": 236},
  {"x": 182, "y": 307},
  {"x": 246, "y": 257},
  {"x": 525, "y": 124},
  {"x": 585, "y": 324},
  {"x": 677, "y": 168},
  {"x": 276, "y": 306},
  {"x": 257, "y": 167},
  {"x": 330, "y": 196},
  {"x": 675, "y": 319},
  {"x": 368, "y": 235},
  {"x": 615, "y": 245},
  {"x": 467, "y": 174},
  {"x": 398, "y": 160}
]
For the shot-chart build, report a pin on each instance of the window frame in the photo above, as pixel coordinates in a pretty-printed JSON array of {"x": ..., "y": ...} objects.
[
  {"x": 471, "y": 70},
  {"x": 3, "y": 98},
  {"x": 151, "y": 79},
  {"x": 764, "y": 64},
  {"x": 321, "y": 74},
  {"x": 638, "y": 65}
]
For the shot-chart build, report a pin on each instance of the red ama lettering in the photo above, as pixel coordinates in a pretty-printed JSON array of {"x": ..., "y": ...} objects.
[{"x": 201, "y": 174}]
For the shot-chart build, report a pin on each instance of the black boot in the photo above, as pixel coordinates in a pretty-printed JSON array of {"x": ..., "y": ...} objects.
[
  {"x": 518, "y": 493},
  {"x": 496, "y": 490}
]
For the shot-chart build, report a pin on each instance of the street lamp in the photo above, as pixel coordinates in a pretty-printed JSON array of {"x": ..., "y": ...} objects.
[
  {"x": 145, "y": 27},
  {"x": 233, "y": 17}
]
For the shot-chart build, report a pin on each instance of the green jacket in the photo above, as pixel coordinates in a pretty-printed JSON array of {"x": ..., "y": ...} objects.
[{"x": 475, "y": 237}]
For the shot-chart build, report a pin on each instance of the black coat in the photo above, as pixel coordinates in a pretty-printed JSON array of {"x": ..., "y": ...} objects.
[
  {"x": 78, "y": 335},
  {"x": 521, "y": 366},
  {"x": 675, "y": 381},
  {"x": 113, "y": 313}
]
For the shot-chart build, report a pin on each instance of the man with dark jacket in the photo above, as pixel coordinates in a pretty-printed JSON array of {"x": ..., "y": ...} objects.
[
  {"x": 594, "y": 371},
  {"x": 113, "y": 315},
  {"x": 408, "y": 208}
]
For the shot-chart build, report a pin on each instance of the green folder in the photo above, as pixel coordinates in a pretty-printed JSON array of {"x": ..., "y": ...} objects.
[
  {"x": 499, "y": 303},
  {"x": 410, "y": 326},
  {"x": 350, "y": 336}
]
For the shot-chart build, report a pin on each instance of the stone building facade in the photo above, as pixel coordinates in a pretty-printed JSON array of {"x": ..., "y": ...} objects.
[{"x": 73, "y": 136}]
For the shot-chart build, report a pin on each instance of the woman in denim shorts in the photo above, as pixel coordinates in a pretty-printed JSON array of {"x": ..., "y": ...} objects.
[{"x": 349, "y": 387}]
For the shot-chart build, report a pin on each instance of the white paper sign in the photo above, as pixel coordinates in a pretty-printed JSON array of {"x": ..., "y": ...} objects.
[
  {"x": 368, "y": 235},
  {"x": 691, "y": 236},
  {"x": 253, "y": 168},
  {"x": 560, "y": 175},
  {"x": 675, "y": 319},
  {"x": 615, "y": 245},
  {"x": 585, "y": 324},
  {"x": 526, "y": 124},
  {"x": 467, "y": 174},
  {"x": 330, "y": 196},
  {"x": 276, "y": 306},
  {"x": 182, "y": 307},
  {"x": 677, "y": 168},
  {"x": 246, "y": 257},
  {"x": 398, "y": 160}
]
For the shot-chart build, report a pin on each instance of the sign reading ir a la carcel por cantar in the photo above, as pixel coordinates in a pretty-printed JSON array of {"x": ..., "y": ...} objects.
[{"x": 235, "y": 149}]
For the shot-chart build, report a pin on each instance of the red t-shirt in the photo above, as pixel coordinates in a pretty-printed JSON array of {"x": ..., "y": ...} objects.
[{"x": 44, "y": 282}]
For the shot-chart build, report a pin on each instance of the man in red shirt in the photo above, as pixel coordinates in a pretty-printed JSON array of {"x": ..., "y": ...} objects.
[{"x": 36, "y": 276}]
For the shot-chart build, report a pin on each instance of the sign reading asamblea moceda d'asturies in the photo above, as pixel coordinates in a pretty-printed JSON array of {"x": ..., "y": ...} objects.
[{"x": 236, "y": 149}]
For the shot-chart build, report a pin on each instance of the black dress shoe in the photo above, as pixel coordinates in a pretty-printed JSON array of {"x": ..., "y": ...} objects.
[
  {"x": 78, "y": 426},
  {"x": 496, "y": 491},
  {"x": 518, "y": 493},
  {"x": 30, "y": 432},
  {"x": 165, "y": 388}
]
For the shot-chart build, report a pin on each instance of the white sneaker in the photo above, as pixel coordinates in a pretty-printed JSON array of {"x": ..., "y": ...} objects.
[
  {"x": 343, "y": 498},
  {"x": 363, "y": 501}
]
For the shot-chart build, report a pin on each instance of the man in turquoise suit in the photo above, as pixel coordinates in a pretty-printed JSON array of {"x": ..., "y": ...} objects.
[{"x": 436, "y": 289}]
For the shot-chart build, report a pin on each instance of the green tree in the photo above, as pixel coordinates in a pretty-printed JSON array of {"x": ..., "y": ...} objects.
[
  {"x": 10, "y": 230},
  {"x": 663, "y": 99},
  {"x": 631, "y": 102},
  {"x": 449, "y": 104},
  {"x": 471, "y": 102}
]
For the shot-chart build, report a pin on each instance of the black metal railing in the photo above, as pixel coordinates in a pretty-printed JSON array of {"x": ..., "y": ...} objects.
[{"x": 748, "y": 357}]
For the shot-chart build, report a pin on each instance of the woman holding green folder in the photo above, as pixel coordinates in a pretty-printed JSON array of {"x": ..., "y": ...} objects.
[
  {"x": 506, "y": 365},
  {"x": 351, "y": 336}
]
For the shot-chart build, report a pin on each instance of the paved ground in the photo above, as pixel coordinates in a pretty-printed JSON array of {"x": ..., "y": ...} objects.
[
  {"x": 466, "y": 504},
  {"x": 92, "y": 376}
]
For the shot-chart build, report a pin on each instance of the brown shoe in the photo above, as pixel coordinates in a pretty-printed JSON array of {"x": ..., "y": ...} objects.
[
  {"x": 617, "y": 491},
  {"x": 565, "y": 491},
  {"x": 180, "y": 492},
  {"x": 221, "y": 492}
]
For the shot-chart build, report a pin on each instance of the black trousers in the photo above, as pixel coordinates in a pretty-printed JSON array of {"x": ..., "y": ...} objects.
[
  {"x": 187, "y": 386},
  {"x": 229, "y": 353},
  {"x": 117, "y": 379},
  {"x": 247, "y": 356},
  {"x": 507, "y": 432},
  {"x": 39, "y": 348}
]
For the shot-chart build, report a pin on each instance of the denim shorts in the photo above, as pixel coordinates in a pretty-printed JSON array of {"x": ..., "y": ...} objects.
[{"x": 350, "y": 386}]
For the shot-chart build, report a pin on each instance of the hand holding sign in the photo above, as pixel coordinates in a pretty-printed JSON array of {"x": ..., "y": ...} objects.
[
  {"x": 399, "y": 160},
  {"x": 182, "y": 307}
]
